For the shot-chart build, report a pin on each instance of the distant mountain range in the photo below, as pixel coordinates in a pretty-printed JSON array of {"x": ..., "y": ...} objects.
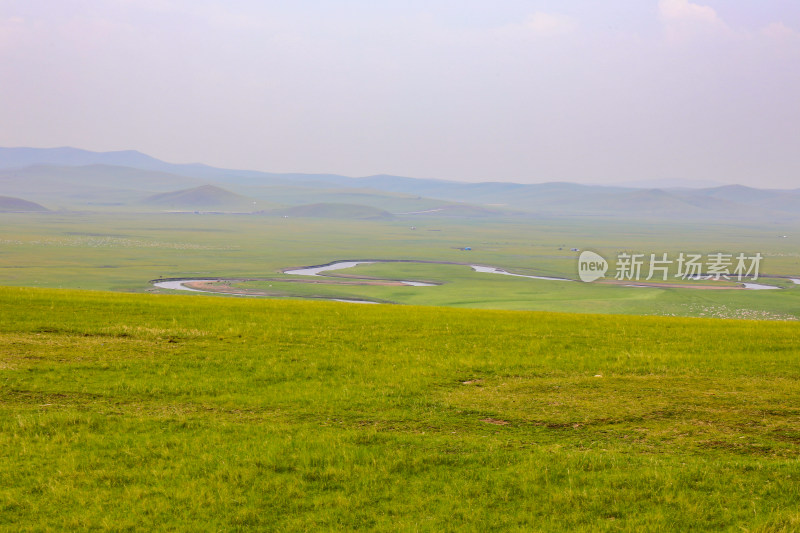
[
  {"x": 69, "y": 178},
  {"x": 669, "y": 184}
]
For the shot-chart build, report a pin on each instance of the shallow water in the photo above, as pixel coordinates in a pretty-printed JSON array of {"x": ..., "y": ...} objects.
[
  {"x": 316, "y": 271},
  {"x": 495, "y": 270},
  {"x": 759, "y": 287},
  {"x": 179, "y": 284}
]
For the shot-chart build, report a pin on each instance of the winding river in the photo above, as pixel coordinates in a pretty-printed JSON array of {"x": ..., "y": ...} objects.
[
  {"x": 340, "y": 265},
  {"x": 185, "y": 284}
]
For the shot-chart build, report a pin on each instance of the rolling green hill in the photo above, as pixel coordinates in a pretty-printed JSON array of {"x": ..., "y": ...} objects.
[
  {"x": 11, "y": 204},
  {"x": 204, "y": 197}
]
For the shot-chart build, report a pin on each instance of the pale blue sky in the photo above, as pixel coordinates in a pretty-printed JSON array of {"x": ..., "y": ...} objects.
[{"x": 532, "y": 91}]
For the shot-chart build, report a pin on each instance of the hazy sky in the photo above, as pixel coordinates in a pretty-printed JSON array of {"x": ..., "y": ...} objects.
[{"x": 570, "y": 90}]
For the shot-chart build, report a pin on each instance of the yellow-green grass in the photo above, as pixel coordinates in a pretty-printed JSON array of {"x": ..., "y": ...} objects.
[{"x": 153, "y": 412}]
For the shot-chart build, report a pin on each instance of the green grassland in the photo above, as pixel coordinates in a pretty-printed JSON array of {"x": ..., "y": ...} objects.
[
  {"x": 463, "y": 287},
  {"x": 123, "y": 251},
  {"x": 140, "y": 412},
  {"x": 482, "y": 403}
]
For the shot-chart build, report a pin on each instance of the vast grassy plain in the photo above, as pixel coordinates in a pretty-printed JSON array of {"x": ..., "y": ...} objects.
[
  {"x": 123, "y": 251},
  {"x": 126, "y": 412},
  {"x": 194, "y": 412}
]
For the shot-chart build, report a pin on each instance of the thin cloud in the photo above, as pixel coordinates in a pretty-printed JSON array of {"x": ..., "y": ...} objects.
[
  {"x": 685, "y": 21},
  {"x": 683, "y": 10},
  {"x": 779, "y": 32},
  {"x": 13, "y": 31},
  {"x": 551, "y": 23}
]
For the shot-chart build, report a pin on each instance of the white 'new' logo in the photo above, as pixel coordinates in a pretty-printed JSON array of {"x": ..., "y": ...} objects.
[{"x": 591, "y": 266}]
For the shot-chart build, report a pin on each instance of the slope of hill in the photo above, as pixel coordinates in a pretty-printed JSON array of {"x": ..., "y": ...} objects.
[
  {"x": 789, "y": 202},
  {"x": 647, "y": 202},
  {"x": 203, "y": 197},
  {"x": 299, "y": 195},
  {"x": 66, "y": 156},
  {"x": 667, "y": 183},
  {"x": 105, "y": 176},
  {"x": 92, "y": 184},
  {"x": 489, "y": 192},
  {"x": 738, "y": 193},
  {"x": 765, "y": 199},
  {"x": 333, "y": 210},
  {"x": 10, "y": 204}
]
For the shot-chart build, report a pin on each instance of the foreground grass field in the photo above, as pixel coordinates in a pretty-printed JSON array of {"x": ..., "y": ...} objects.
[{"x": 129, "y": 412}]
